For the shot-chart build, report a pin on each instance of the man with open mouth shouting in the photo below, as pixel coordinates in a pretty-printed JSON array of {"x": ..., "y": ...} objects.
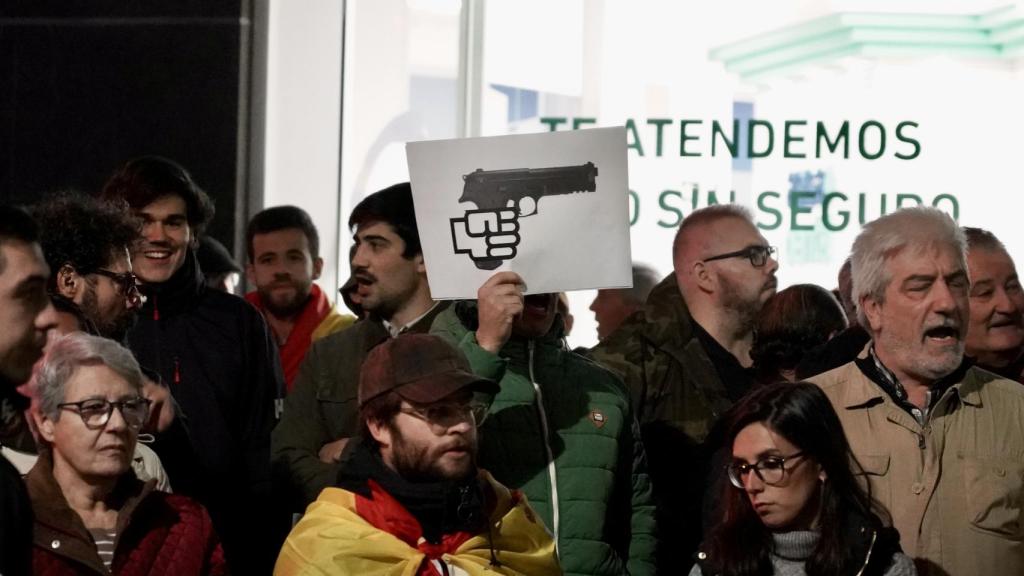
[{"x": 939, "y": 440}]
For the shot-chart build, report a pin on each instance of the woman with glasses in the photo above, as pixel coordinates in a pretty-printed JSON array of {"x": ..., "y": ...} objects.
[
  {"x": 92, "y": 515},
  {"x": 792, "y": 505}
]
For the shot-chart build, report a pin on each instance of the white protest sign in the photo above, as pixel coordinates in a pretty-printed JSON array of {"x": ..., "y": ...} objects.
[{"x": 552, "y": 207}]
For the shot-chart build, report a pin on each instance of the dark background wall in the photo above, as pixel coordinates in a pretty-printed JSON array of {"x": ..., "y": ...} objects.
[{"x": 87, "y": 85}]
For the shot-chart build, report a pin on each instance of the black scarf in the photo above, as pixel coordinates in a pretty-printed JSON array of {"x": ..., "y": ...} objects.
[{"x": 441, "y": 507}]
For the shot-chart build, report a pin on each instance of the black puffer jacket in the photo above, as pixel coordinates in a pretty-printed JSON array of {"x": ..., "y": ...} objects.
[{"x": 215, "y": 353}]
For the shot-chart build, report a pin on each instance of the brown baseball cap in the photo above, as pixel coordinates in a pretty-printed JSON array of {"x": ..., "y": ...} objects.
[{"x": 420, "y": 367}]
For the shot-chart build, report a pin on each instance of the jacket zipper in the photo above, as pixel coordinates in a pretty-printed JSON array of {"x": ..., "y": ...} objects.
[
  {"x": 867, "y": 557},
  {"x": 552, "y": 474}
]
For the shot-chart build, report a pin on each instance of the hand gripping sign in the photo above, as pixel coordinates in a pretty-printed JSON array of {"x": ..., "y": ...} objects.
[{"x": 490, "y": 233}]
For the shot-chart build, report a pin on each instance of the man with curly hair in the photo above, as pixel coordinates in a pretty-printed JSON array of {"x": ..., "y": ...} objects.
[{"x": 86, "y": 243}]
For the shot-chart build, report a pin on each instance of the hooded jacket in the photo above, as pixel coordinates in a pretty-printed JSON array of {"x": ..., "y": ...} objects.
[
  {"x": 562, "y": 431},
  {"x": 377, "y": 523},
  {"x": 215, "y": 353},
  {"x": 157, "y": 533}
]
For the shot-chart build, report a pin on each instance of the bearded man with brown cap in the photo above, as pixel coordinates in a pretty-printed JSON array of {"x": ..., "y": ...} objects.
[{"x": 410, "y": 498}]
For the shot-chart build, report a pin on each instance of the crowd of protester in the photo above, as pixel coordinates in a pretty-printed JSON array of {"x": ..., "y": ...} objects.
[{"x": 153, "y": 422}]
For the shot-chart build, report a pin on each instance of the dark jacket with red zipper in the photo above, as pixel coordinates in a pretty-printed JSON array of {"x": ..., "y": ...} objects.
[
  {"x": 215, "y": 353},
  {"x": 157, "y": 533}
]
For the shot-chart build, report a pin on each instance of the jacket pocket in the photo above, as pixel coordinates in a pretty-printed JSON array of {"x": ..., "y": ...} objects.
[
  {"x": 876, "y": 476},
  {"x": 995, "y": 496}
]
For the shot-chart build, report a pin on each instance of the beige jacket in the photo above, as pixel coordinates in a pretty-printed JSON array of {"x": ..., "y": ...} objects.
[{"x": 955, "y": 487}]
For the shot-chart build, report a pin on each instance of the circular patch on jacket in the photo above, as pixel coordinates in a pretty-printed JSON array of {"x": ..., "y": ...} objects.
[{"x": 598, "y": 418}]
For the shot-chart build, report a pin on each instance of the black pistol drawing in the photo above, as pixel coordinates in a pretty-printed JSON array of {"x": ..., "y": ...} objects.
[{"x": 520, "y": 190}]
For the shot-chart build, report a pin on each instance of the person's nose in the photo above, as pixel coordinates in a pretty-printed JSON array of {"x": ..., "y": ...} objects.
[
  {"x": 1004, "y": 304},
  {"x": 752, "y": 483},
  {"x": 359, "y": 257},
  {"x": 943, "y": 299},
  {"x": 116, "y": 422},
  {"x": 47, "y": 317},
  {"x": 154, "y": 232}
]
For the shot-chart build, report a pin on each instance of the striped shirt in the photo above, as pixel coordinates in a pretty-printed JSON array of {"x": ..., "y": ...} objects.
[{"x": 104, "y": 540}]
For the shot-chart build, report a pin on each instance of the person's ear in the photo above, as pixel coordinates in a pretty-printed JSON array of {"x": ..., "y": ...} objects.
[
  {"x": 380, "y": 432},
  {"x": 421, "y": 266},
  {"x": 250, "y": 273},
  {"x": 44, "y": 425},
  {"x": 872, "y": 311},
  {"x": 704, "y": 277},
  {"x": 318, "y": 267},
  {"x": 69, "y": 282}
]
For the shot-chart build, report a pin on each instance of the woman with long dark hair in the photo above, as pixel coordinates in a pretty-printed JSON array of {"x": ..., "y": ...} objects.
[{"x": 792, "y": 505}]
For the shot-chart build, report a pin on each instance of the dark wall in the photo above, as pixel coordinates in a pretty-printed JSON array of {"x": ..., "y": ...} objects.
[{"x": 87, "y": 85}]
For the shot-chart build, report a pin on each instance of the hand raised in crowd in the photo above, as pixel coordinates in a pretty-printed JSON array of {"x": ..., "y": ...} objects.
[
  {"x": 500, "y": 302},
  {"x": 161, "y": 407},
  {"x": 331, "y": 452}
]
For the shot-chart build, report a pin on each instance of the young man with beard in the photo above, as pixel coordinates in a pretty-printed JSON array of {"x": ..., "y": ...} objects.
[
  {"x": 284, "y": 259},
  {"x": 321, "y": 412},
  {"x": 939, "y": 440},
  {"x": 26, "y": 315},
  {"x": 685, "y": 359},
  {"x": 995, "y": 335},
  {"x": 215, "y": 353},
  {"x": 410, "y": 499},
  {"x": 561, "y": 429}
]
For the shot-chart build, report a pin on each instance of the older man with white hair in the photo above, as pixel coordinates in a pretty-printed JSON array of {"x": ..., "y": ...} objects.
[{"x": 941, "y": 442}]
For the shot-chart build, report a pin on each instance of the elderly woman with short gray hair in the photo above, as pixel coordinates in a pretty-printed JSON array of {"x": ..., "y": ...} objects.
[{"x": 92, "y": 515}]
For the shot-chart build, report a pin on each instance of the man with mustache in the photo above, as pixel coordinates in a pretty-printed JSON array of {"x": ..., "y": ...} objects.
[
  {"x": 26, "y": 315},
  {"x": 995, "y": 335},
  {"x": 561, "y": 429},
  {"x": 685, "y": 358},
  {"x": 321, "y": 412},
  {"x": 284, "y": 260},
  {"x": 214, "y": 352},
  {"x": 410, "y": 499},
  {"x": 940, "y": 440}
]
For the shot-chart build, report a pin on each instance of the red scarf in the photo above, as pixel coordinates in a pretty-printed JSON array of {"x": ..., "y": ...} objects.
[{"x": 293, "y": 352}]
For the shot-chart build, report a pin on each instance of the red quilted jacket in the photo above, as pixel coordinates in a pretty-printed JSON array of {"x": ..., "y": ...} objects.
[{"x": 157, "y": 533}]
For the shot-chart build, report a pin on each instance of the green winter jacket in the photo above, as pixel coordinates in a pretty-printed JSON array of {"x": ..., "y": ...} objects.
[{"x": 562, "y": 431}]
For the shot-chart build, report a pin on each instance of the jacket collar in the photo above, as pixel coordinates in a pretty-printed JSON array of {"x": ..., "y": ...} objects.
[
  {"x": 666, "y": 321},
  {"x": 179, "y": 292},
  {"x": 59, "y": 529},
  {"x": 860, "y": 392}
]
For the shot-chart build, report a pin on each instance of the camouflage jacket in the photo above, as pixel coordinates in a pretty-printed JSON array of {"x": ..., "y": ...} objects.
[
  {"x": 678, "y": 397},
  {"x": 671, "y": 380}
]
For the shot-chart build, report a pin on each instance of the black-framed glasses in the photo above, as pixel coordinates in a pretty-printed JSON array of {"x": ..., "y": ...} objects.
[
  {"x": 758, "y": 255},
  {"x": 442, "y": 416},
  {"x": 95, "y": 412},
  {"x": 128, "y": 282},
  {"x": 771, "y": 470}
]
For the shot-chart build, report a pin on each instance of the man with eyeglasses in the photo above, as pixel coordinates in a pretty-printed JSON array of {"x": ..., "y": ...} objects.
[
  {"x": 215, "y": 353},
  {"x": 86, "y": 245},
  {"x": 410, "y": 498},
  {"x": 685, "y": 358}
]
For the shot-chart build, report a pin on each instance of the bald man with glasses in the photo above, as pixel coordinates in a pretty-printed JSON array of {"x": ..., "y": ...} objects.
[{"x": 686, "y": 357}]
